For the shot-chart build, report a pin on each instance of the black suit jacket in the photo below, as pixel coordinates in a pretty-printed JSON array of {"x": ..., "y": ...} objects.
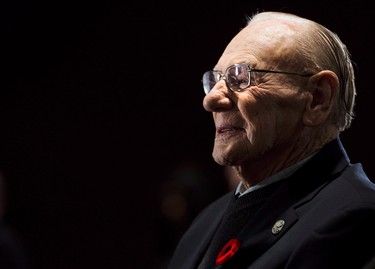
[{"x": 328, "y": 209}]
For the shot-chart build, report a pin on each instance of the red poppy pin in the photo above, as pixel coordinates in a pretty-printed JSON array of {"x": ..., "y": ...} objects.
[{"x": 228, "y": 251}]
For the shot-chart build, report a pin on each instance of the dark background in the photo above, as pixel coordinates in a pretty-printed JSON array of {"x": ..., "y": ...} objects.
[{"x": 105, "y": 147}]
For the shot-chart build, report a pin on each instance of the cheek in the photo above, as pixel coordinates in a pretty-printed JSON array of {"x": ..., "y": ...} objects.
[
  {"x": 268, "y": 114},
  {"x": 261, "y": 121}
]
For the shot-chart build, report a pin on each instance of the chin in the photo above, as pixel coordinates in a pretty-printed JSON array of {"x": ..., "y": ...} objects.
[
  {"x": 230, "y": 155},
  {"x": 224, "y": 159}
]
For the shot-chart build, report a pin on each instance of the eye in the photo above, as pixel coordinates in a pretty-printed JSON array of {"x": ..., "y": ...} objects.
[
  {"x": 242, "y": 78},
  {"x": 237, "y": 77}
]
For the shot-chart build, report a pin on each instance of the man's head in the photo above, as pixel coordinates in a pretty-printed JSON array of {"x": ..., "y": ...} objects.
[{"x": 284, "y": 87}]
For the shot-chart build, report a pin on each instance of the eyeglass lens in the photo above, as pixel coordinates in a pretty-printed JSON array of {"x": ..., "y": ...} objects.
[{"x": 237, "y": 78}]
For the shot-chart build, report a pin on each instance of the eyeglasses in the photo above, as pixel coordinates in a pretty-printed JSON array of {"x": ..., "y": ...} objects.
[{"x": 237, "y": 77}]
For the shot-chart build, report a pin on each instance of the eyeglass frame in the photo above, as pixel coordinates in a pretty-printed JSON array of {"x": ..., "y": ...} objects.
[{"x": 249, "y": 70}]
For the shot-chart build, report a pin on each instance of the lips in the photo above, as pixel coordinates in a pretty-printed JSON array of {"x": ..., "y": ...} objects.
[{"x": 225, "y": 129}]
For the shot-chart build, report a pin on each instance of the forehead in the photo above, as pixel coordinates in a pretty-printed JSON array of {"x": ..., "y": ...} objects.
[{"x": 265, "y": 41}]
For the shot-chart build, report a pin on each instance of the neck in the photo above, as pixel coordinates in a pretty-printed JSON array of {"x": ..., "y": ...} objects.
[{"x": 277, "y": 159}]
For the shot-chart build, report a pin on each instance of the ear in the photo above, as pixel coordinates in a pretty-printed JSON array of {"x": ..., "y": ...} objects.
[{"x": 324, "y": 87}]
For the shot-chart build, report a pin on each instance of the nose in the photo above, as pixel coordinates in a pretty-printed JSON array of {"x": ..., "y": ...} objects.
[{"x": 218, "y": 99}]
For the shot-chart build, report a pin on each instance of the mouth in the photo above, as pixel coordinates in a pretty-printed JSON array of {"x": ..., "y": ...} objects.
[{"x": 228, "y": 129}]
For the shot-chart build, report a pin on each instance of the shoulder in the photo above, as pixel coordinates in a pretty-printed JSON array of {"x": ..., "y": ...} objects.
[{"x": 355, "y": 186}]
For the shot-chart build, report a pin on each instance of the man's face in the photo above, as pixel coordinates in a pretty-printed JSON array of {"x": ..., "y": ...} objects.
[{"x": 265, "y": 118}]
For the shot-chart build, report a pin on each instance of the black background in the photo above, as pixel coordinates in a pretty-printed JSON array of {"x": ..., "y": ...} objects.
[{"x": 101, "y": 119}]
